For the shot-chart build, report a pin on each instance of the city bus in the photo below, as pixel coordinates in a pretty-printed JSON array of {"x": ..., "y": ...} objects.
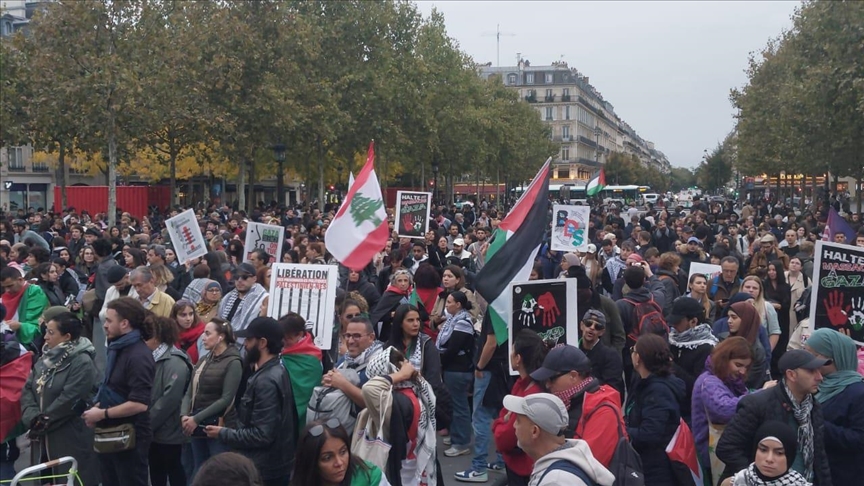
[{"x": 577, "y": 192}]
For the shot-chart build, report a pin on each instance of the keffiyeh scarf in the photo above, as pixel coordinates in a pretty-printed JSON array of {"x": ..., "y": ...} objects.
[
  {"x": 363, "y": 358},
  {"x": 52, "y": 360},
  {"x": 751, "y": 477},
  {"x": 380, "y": 365},
  {"x": 460, "y": 322},
  {"x": 568, "y": 394},
  {"x": 247, "y": 310},
  {"x": 692, "y": 338},
  {"x": 805, "y": 429}
]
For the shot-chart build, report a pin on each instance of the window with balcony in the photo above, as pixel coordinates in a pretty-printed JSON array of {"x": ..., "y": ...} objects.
[
  {"x": 511, "y": 79},
  {"x": 566, "y": 112},
  {"x": 40, "y": 167},
  {"x": 529, "y": 78},
  {"x": 549, "y": 96},
  {"x": 15, "y": 156},
  {"x": 565, "y": 155},
  {"x": 565, "y": 94},
  {"x": 549, "y": 113},
  {"x": 565, "y": 132},
  {"x": 548, "y": 78}
]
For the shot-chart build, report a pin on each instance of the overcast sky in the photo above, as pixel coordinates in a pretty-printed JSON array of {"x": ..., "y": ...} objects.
[{"x": 666, "y": 67}]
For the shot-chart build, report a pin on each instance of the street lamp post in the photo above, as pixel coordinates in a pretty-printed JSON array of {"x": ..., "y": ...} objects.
[
  {"x": 434, "y": 179},
  {"x": 279, "y": 154},
  {"x": 339, "y": 181}
]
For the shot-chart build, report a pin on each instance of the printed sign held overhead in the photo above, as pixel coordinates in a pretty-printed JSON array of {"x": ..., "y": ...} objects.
[
  {"x": 186, "y": 236},
  {"x": 265, "y": 236},
  {"x": 412, "y": 213},
  {"x": 308, "y": 290}
]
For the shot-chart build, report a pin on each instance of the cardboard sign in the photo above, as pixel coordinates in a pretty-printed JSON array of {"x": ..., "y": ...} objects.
[
  {"x": 544, "y": 307},
  {"x": 265, "y": 236},
  {"x": 570, "y": 227},
  {"x": 412, "y": 213},
  {"x": 308, "y": 290},
  {"x": 837, "y": 299},
  {"x": 186, "y": 236}
]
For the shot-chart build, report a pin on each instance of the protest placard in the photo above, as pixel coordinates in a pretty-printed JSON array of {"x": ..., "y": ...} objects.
[
  {"x": 544, "y": 307},
  {"x": 308, "y": 290},
  {"x": 710, "y": 271},
  {"x": 570, "y": 227},
  {"x": 265, "y": 236},
  {"x": 186, "y": 236},
  {"x": 412, "y": 213},
  {"x": 837, "y": 299}
]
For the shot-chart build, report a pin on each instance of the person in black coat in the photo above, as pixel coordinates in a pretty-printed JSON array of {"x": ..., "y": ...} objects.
[
  {"x": 801, "y": 378},
  {"x": 606, "y": 364},
  {"x": 357, "y": 282},
  {"x": 690, "y": 342}
]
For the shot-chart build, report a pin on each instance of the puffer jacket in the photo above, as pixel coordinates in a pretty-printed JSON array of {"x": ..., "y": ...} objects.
[
  {"x": 173, "y": 374},
  {"x": 267, "y": 422},
  {"x": 736, "y": 443},
  {"x": 595, "y": 424}
]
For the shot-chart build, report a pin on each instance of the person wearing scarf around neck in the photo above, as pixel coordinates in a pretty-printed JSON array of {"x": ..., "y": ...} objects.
[
  {"x": 60, "y": 381},
  {"x": 744, "y": 321},
  {"x": 409, "y": 420},
  {"x": 361, "y": 345},
  {"x": 455, "y": 342},
  {"x": 190, "y": 328},
  {"x": 691, "y": 343},
  {"x": 775, "y": 445},
  {"x": 841, "y": 395},
  {"x": 24, "y": 304},
  {"x": 302, "y": 358},
  {"x": 396, "y": 294},
  {"x": 208, "y": 306}
]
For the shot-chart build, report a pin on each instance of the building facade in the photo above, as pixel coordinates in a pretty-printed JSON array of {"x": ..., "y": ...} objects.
[{"x": 582, "y": 121}]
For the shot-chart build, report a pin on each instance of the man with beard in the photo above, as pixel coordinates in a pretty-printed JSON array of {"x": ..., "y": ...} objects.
[
  {"x": 361, "y": 343},
  {"x": 478, "y": 248},
  {"x": 606, "y": 363},
  {"x": 589, "y": 299},
  {"x": 266, "y": 415},
  {"x": 243, "y": 304}
]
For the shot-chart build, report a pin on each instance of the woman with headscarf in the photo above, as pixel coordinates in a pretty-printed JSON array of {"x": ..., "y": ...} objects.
[
  {"x": 208, "y": 306},
  {"x": 841, "y": 394},
  {"x": 774, "y": 450},
  {"x": 397, "y": 293},
  {"x": 409, "y": 420},
  {"x": 744, "y": 321}
]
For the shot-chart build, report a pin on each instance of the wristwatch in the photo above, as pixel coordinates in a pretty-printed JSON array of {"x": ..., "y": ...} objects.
[{"x": 106, "y": 413}]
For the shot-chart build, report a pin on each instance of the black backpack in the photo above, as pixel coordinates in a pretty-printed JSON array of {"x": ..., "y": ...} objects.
[{"x": 626, "y": 465}]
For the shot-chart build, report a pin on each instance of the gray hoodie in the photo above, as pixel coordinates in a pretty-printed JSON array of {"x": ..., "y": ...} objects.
[
  {"x": 173, "y": 373},
  {"x": 577, "y": 452}
]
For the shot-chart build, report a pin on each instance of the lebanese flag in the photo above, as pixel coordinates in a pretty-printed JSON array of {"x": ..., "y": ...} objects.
[
  {"x": 596, "y": 184},
  {"x": 511, "y": 252},
  {"x": 359, "y": 229}
]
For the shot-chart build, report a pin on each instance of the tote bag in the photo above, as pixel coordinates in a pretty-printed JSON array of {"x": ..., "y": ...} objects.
[
  {"x": 368, "y": 442},
  {"x": 714, "y": 433}
]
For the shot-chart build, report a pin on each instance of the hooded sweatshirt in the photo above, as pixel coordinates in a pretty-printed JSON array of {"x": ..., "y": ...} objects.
[{"x": 577, "y": 452}]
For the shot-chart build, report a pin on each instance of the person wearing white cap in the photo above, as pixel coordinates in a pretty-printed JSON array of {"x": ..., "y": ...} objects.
[
  {"x": 458, "y": 255},
  {"x": 540, "y": 421}
]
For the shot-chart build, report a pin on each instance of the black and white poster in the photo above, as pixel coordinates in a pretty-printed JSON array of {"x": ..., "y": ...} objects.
[
  {"x": 308, "y": 290},
  {"x": 837, "y": 300},
  {"x": 547, "y": 307},
  {"x": 412, "y": 213}
]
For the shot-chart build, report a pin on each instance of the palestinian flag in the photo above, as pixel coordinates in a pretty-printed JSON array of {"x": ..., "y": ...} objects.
[
  {"x": 596, "y": 184},
  {"x": 303, "y": 362},
  {"x": 359, "y": 229},
  {"x": 511, "y": 252}
]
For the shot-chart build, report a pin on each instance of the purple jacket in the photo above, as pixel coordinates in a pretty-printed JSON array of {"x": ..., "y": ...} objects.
[{"x": 709, "y": 392}]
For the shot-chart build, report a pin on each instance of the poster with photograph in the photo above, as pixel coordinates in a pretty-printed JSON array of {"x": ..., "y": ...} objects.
[
  {"x": 266, "y": 236},
  {"x": 837, "y": 299},
  {"x": 186, "y": 236},
  {"x": 570, "y": 227},
  {"x": 710, "y": 271},
  {"x": 308, "y": 290},
  {"x": 544, "y": 307},
  {"x": 412, "y": 213}
]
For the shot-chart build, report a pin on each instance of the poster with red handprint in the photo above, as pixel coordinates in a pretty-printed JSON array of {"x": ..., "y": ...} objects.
[
  {"x": 412, "y": 213},
  {"x": 837, "y": 300},
  {"x": 544, "y": 307}
]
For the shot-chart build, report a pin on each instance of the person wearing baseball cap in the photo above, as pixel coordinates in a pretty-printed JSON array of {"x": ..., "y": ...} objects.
[
  {"x": 540, "y": 424},
  {"x": 243, "y": 303},
  {"x": 606, "y": 364},
  {"x": 791, "y": 402},
  {"x": 267, "y": 417},
  {"x": 566, "y": 373}
]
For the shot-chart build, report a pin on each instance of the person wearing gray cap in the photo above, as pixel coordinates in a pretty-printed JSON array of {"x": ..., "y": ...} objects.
[
  {"x": 540, "y": 424},
  {"x": 593, "y": 409},
  {"x": 606, "y": 364},
  {"x": 243, "y": 304},
  {"x": 791, "y": 402}
]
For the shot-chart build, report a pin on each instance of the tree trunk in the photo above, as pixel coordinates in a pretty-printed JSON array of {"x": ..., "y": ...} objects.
[
  {"x": 241, "y": 185},
  {"x": 112, "y": 172},
  {"x": 280, "y": 181},
  {"x": 497, "y": 185},
  {"x": 252, "y": 202},
  {"x": 423, "y": 183},
  {"x": 61, "y": 175},
  {"x": 172, "y": 164},
  {"x": 320, "y": 176}
]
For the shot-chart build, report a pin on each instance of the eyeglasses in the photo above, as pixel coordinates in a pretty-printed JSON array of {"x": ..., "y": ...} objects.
[
  {"x": 596, "y": 325},
  {"x": 356, "y": 336},
  {"x": 214, "y": 290},
  {"x": 319, "y": 429}
]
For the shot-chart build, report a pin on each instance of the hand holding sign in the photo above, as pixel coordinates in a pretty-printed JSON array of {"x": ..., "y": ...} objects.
[
  {"x": 837, "y": 315},
  {"x": 550, "y": 309}
]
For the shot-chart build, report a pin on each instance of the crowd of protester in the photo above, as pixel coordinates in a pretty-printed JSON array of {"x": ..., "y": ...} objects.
[{"x": 151, "y": 370}]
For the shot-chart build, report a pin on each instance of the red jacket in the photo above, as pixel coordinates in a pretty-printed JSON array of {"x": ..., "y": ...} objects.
[
  {"x": 600, "y": 430},
  {"x": 505, "y": 434}
]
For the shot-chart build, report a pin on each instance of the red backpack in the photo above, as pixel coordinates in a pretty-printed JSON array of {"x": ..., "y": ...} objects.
[{"x": 649, "y": 319}]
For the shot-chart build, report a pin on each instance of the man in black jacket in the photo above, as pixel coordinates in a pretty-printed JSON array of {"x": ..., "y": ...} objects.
[
  {"x": 792, "y": 402},
  {"x": 606, "y": 363},
  {"x": 267, "y": 424}
]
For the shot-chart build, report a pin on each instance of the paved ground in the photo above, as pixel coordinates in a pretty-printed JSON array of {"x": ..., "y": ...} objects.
[{"x": 452, "y": 465}]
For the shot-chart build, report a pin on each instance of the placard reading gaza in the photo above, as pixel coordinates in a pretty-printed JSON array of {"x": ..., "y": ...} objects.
[
  {"x": 308, "y": 290},
  {"x": 837, "y": 300},
  {"x": 265, "y": 236},
  {"x": 543, "y": 306},
  {"x": 412, "y": 213}
]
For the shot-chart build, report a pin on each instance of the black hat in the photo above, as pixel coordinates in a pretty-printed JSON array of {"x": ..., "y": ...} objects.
[
  {"x": 685, "y": 308},
  {"x": 798, "y": 358},
  {"x": 562, "y": 359},
  {"x": 262, "y": 327},
  {"x": 93, "y": 231},
  {"x": 115, "y": 274},
  {"x": 245, "y": 269}
]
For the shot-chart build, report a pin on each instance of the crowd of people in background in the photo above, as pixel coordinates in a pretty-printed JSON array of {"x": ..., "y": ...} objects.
[{"x": 151, "y": 370}]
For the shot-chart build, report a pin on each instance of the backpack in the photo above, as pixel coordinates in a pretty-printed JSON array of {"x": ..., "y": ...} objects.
[
  {"x": 626, "y": 465},
  {"x": 567, "y": 466},
  {"x": 649, "y": 319},
  {"x": 327, "y": 402}
]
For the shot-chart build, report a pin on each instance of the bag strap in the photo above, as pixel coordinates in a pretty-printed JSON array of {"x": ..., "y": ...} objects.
[
  {"x": 618, "y": 419},
  {"x": 567, "y": 466}
]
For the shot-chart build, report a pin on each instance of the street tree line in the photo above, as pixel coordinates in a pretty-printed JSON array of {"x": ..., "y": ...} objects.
[
  {"x": 171, "y": 89},
  {"x": 802, "y": 109}
]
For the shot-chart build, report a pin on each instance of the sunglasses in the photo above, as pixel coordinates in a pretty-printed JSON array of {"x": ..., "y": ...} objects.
[
  {"x": 594, "y": 324},
  {"x": 244, "y": 277},
  {"x": 555, "y": 377},
  {"x": 319, "y": 429}
]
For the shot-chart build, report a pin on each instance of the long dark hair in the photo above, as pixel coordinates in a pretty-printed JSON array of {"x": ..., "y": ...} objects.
[
  {"x": 397, "y": 335},
  {"x": 306, "y": 471},
  {"x": 531, "y": 348}
]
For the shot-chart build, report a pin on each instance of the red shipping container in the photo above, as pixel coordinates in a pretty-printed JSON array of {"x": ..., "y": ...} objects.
[{"x": 132, "y": 199}]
